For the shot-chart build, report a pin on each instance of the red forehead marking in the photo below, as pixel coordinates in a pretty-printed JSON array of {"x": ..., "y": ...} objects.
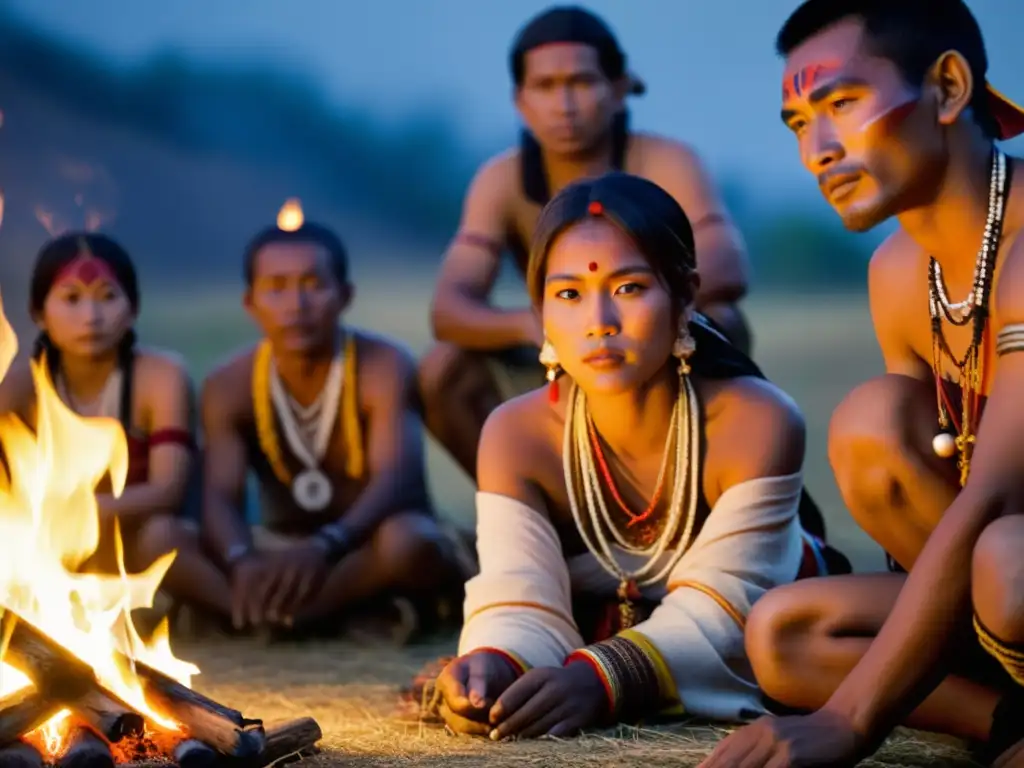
[
  {"x": 804, "y": 80},
  {"x": 595, "y": 208},
  {"x": 86, "y": 269},
  {"x": 592, "y": 266}
]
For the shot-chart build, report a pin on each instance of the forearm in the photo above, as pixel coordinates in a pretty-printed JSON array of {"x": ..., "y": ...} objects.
[
  {"x": 383, "y": 496},
  {"x": 224, "y": 527},
  {"x": 521, "y": 599},
  {"x": 473, "y": 324},
  {"x": 137, "y": 503},
  {"x": 906, "y": 660}
]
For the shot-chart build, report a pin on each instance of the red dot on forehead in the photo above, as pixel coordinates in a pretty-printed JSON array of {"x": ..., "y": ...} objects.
[{"x": 592, "y": 266}]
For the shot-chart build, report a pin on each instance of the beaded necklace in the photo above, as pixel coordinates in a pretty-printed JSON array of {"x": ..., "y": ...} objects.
[
  {"x": 599, "y": 530},
  {"x": 266, "y": 428},
  {"x": 973, "y": 309}
]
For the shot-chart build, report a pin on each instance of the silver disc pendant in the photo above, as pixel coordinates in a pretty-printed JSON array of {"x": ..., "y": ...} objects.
[{"x": 312, "y": 490}]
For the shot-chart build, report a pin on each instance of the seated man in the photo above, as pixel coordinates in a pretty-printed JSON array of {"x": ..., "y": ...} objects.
[
  {"x": 629, "y": 517},
  {"x": 893, "y": 116},
  {"x": 486, "y": 355},
  {"x": 325, "y": 415}
]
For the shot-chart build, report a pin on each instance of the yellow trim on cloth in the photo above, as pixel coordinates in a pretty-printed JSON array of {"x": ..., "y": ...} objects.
[
  {"x": 666, "y": 683},
  {"x": 1012, "y": 659}
]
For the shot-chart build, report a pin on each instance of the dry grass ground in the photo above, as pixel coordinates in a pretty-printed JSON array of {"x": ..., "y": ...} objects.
[
  {"x": 351, "y": 691},
  {"x": 815, "y": 347}
]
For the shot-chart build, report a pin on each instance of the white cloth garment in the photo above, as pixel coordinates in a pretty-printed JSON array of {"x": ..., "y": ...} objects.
[{"x": 521, "y": 601}]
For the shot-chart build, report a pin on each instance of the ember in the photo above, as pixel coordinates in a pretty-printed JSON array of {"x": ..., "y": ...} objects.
[{"x": 79, "y": 687}]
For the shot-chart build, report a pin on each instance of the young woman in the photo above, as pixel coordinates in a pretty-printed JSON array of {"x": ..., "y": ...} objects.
[
  {"x": 84, "y": 297},
  {"x": 659, "y": 476}
]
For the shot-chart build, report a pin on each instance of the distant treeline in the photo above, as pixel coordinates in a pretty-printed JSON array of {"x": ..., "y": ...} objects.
[{"x": 415, "y": 173}]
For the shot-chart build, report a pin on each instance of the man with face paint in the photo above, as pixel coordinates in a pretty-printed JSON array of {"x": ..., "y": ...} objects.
[
  {"x": 570, "y": 86},
  {"x": 325, "y": 417},
  {"x": 892, "y": 113}
]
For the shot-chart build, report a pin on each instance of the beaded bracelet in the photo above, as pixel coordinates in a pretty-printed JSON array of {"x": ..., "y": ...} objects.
[{"x": 629, "y": 676}]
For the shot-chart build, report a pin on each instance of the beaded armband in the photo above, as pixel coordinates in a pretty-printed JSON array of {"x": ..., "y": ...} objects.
[
  {"x": 632, "y": 675},
  {"x": 1010, "y": 339},
  {"x": 513, "y": 659}
]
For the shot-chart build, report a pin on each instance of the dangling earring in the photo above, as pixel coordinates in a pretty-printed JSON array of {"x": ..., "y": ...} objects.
[
  {"x": 549, "y": 359},
  {"x": 683, "y": 348}
]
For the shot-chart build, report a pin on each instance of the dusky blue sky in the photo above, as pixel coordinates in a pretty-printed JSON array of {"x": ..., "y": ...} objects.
[{"x": 712, "y": 75}]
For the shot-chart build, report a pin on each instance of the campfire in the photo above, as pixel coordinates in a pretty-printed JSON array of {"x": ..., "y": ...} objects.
[{"x": 79, "y": 687}]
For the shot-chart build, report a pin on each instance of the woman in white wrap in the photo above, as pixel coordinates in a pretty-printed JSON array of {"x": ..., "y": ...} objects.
[{"x": 659, "y": 473}]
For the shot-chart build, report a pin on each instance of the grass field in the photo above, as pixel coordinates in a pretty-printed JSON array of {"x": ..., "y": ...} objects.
[{"x": 815, "y": 347}]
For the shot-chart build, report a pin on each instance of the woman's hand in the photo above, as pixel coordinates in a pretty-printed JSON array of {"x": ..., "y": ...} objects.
[
  {"x": 469, "y": 686},
  {"x": 553, "y": 701}
]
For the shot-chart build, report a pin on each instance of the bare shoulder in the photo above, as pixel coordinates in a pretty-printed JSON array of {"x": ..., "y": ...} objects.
[
  {"x": 227, "y": 387},
  {"x": 160, "y": 366},
  {"x": 754, "y": 430},
  {"x": 515, "y": 444},
  {"x": 381, "y": 351},
  {"x": 660, "y": 156},
  {"x": 896, "y": 256},
  {"x": 496, "y": 174}
]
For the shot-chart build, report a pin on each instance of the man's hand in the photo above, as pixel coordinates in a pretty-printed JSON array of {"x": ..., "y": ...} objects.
[
  {"x": 246, "y": 577},
  {"x": 555, "y": 701},
  {"x": 469, "y": 686},
  {"x": 818, "y": 739},
  {"x": 292, "y": 576}
]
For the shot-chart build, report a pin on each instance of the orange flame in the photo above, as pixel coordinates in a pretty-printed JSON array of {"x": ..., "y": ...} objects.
[
  {"x": 50, "y": 525},
  {"x": 290, "y": 218}
]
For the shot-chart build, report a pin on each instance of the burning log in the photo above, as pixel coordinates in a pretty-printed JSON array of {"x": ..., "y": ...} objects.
[
  {"x": 24, "y": 711},
  {"x": 108, "y": 717},
  {"x": 86, "y": 750},
  {"x": 194, "y": 754},
  {"x": 63, "y": 677},
  {"x": 220, "y": 727},
  {"x": 292, "y": 738},
  {"x": 20, "y": 755}
]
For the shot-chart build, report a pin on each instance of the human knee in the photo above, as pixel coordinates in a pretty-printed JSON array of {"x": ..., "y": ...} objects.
[
  {"x": 776, "y": 636},
  {"x": 437, "y": 370},
  {"x": 997, "y": 578},
  {"x": 408, "y": 548},
  {"x": 870, "y": 435},
  {"x": 779, "y": 634}
]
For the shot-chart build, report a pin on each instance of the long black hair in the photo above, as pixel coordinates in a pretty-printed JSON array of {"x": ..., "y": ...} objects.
[{"x": 54, "y": 256}]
